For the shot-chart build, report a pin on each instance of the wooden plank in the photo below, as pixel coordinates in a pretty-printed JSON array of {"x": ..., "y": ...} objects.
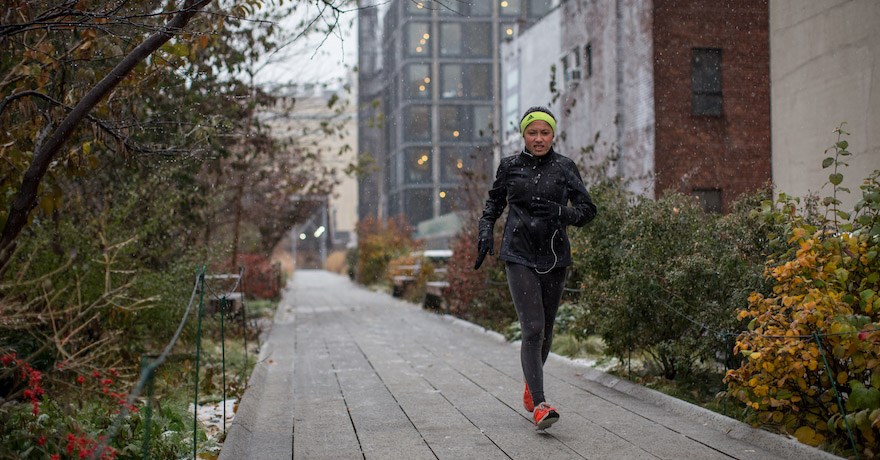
[
  {"x": 322, "y": 427},
  {"x": 443, "y": 427},
  {"x": 383, "y": 428}
]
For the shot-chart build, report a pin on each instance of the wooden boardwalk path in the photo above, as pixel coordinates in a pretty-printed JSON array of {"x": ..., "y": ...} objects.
[{"x": 348, "y": 373}]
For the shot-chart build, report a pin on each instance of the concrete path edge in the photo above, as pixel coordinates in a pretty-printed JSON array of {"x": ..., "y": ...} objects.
[{"x": 240, "y": 432}]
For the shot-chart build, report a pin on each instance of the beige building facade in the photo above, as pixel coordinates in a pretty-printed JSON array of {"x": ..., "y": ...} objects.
[
  {"x": 302, "y": 116},
  {"x": 825, "y": 70}
]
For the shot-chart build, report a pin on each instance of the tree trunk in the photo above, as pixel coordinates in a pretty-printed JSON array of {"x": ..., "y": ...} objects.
[
  {"x": 26, "y": 199},
  {"x": 236, "y": 234}
]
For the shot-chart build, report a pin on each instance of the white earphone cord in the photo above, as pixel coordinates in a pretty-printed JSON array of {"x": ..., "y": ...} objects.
[{"x": 555, "y": 257}]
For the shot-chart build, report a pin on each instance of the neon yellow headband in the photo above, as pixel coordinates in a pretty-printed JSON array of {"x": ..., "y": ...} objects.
[{"x": 535, "y": 116}]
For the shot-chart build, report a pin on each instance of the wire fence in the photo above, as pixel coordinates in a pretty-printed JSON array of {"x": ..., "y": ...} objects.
[{"x": 150, "y": 364}]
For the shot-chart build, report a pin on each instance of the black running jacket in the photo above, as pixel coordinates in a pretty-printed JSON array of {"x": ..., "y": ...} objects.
[{"x": 541, "y": 243}]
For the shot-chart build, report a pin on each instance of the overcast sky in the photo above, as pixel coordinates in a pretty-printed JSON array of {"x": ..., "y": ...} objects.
[{"x": 308, "y": 60}]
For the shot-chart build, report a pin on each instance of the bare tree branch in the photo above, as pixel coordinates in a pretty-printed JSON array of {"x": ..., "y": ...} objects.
[{"x": 26, "y": 198}]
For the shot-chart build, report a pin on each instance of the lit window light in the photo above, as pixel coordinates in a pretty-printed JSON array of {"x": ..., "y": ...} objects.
[
  {"x": 424, "y": 158},
  {"x": 459, "y": 164},
  {"x": 426, "y": 36},
  {"x": 504, "y": 4},
  {"x": 422, "y": 88},
  {"x": 427, "y": 79},
  {"x": 509, "y": 31},
  {"x": 455, "y": 133},
  {"x": 442, "y": 194},
  {"x": 418, "y": 49},
  {"x": 302, "y": 236}
]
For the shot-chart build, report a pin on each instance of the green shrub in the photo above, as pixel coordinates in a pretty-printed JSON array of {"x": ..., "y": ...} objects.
[
  {"x": 814, "y": 335},
  {"x": 661, "y": 278},
  {"x": 480, "y": 296},
  {"x": 378, "y": 244}
]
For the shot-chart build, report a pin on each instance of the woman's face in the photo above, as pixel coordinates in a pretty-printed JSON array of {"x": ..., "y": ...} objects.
[{"x": 538, "y": 136}]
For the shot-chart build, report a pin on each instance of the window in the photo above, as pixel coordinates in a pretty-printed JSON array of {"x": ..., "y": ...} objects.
[
  {"x": 511, "y": 112},
  {"x": 467, "y": 8},
  {"x": 417, "y": 165},
  {"x": 448, "y": 201},
  {"x": 417, "y": 123},
  {"x": 454, "y": 161},
  {"x": 571, "y": 66},
  {"x": 453, "y": 81},
  {"x": 538, "y": 8},
  {"x": 710, "y": 199},
  {"x": 454, "y": 124},
  {"x": 394, "y": 204},
  {"x": 509, "y": 7},
  {"x": 417, "y": 39},
  {"x": 482, "y": 122},
  {"x": 706, "y": 96},
  {"x": 391, "y": 131},
  {"x": 418, "y": 81},
  {"x": 507, "y": 31},
  {"x": 511, "y": 80},
  {"x": 418, "y": 7},
  {"x": 418, "y": 204},
  {"x": 391, "y": 174},
  {"x": 466, "y": 39},
  {"x": 465, "y": 123},
  {"x": 477, "y": 76},
  {"x": 588, "y": 60}
]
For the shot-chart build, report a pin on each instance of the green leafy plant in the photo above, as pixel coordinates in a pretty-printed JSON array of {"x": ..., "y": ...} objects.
[
  {"x": 812, "y": 340},
  {"x": 378, "y": 243}
]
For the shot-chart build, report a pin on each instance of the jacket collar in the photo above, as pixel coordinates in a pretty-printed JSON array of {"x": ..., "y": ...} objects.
[{"x": 526, "y": 156}]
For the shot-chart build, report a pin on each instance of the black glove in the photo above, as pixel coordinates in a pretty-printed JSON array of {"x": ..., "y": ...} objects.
[
  {"x": 547, "y": 209},
  {"x": 484, "y": 246}
]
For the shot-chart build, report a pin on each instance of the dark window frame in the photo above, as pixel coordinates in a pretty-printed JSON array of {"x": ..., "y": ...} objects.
[
  {"x": 409, "y": 117},
  {"x": 533, "y": 10},
  {"x": 418, "y": 174},
  {"x": 707, "y": 95},
  {"x": 468, "y": 71},
  {"x": 588, "y": 60},
  {"x": 466, "y": 37},
  {"x": 711, "y": 199},
  {"x": 409, "y": 48},
  {"x": 411, "y": 91}
]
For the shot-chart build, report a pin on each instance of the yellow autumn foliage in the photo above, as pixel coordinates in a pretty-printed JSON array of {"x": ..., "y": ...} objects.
[{"x": 828, "y": 289}]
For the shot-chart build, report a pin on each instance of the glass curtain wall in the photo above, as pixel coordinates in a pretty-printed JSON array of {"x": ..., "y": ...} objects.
[{"x": 441, "y": 61}]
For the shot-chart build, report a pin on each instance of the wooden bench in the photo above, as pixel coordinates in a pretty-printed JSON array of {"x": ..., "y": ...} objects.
[
  {"x": 400, "y": 283},
  {"x": 435, "y": 295}
]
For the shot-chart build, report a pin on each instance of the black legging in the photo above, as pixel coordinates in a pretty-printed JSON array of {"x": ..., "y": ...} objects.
[{"x": 536, "y": 298}]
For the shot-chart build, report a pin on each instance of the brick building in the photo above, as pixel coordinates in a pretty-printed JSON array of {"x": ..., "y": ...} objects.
[
  {"x": 681, "y": 88},
  {"x": 712, "y": 97}
]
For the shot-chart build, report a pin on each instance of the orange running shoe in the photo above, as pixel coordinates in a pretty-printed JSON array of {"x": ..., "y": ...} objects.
[
  {"x": 527, "y": 399},
  {"x": 545, "y": 415}
]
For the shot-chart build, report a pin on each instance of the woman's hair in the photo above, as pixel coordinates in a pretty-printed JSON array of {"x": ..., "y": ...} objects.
[{"x": 537, "y": 109}]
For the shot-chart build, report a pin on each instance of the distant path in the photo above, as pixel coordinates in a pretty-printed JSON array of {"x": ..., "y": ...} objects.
[{"x": 348, "y": 373}]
